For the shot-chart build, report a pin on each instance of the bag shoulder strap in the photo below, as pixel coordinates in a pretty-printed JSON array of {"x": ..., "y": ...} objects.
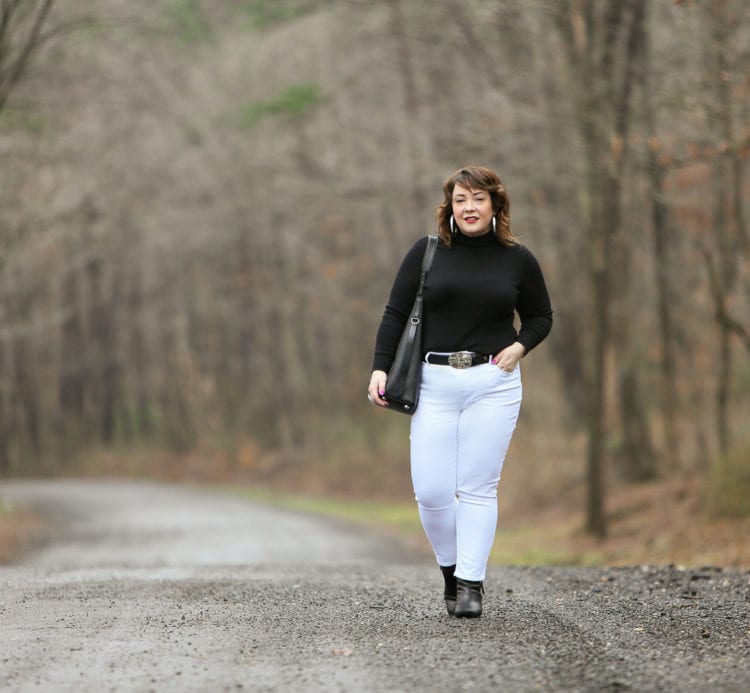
[
  {"x": 429, "y": 253},
  {"x": 429, "y": 256}
]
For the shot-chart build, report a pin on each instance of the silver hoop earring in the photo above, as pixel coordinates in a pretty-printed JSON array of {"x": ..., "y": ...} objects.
[
  {"x": 494, "y": 224},
  {"x": 453, "y": 228}
]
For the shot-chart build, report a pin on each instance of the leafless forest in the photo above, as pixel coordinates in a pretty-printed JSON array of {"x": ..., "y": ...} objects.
[{"x": 204, "y": 203}]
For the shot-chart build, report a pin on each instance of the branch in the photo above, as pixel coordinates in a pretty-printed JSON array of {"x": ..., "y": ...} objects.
[
  {"x": 613, "y": 19},
  {"x": 721, "y": 313},
  {"x": 7, "y": 9},
  {"x": 633, "y": 46},
  {"x": 29, "y": 46},
  {"x": 66, "y": 28},
  {"x": 32, "y": 42},
  {"x": 562, "y": 16}
]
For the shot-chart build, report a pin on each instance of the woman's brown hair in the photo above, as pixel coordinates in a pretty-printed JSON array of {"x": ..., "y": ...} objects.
[{"x": 476, "y": 178}]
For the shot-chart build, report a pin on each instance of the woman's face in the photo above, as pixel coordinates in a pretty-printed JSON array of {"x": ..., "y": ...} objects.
[{"x": 472, "y": 210}]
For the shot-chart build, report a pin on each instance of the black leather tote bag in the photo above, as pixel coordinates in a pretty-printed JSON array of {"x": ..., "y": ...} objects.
[{"x": 405, "y": 376}]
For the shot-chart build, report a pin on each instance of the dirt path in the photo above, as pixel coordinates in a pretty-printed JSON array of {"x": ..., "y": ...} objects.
[{"x": 150, "y": 587}]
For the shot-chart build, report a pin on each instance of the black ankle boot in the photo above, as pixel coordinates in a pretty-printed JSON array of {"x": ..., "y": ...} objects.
[
  {"x": 468, "y": 598},
  {"x": 450, "y": 587}
]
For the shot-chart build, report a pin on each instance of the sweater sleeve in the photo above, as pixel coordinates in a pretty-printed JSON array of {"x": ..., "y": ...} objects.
[
  {"x": 398, "y": 308},
  {"x": 533, "y": 304}
]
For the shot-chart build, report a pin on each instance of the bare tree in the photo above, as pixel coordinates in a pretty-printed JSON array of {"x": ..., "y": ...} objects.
[
  {"x": 599, "y": 42},
  {"x": 660, "y": 227},
  {"x": 731, "y": 248}
]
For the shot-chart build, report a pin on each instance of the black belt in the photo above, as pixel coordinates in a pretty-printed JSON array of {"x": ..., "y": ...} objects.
[{"x": 458, "y": 359}]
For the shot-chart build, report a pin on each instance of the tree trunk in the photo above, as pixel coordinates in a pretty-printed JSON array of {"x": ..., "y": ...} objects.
[
  {"x": 4, "y": 411},
  {"x": 729, "y": 234},
  {"x": 638, "y": 452},
  {"x": 637, "y": 447},
  {"x": 601, "y": 40},
  {"x": 660, "y": 242}
]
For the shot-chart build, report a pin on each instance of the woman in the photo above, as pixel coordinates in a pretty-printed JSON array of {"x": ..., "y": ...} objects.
[{"x": 471, "y": 381}]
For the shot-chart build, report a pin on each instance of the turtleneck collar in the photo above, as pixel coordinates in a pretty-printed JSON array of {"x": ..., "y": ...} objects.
[{"x": 475, "y": 241}]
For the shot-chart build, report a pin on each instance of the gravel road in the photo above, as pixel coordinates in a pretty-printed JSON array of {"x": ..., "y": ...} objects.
[{"x": 143, "y": 586}]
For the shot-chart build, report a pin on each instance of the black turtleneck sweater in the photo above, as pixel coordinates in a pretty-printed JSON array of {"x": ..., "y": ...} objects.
[{"x": 470, "y": 296}]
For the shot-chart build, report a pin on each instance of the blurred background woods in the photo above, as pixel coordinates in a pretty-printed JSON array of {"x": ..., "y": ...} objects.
[{"x": 204, "y": 203}]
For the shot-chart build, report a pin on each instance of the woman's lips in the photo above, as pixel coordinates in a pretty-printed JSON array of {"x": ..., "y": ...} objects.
[{"x": 471, "y": 220}]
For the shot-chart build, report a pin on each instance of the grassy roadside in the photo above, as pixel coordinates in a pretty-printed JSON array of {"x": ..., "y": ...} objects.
[
  {"x": 658, "y": 523},
  {"x": 16, "y": 526},
  {"x": 395, "y": 518},
  {"x": 521, "y": 546},
  {"x": 525, "y": 545}
]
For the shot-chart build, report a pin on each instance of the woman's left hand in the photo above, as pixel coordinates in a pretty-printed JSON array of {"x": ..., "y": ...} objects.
[{"x": 507, "y": 359}]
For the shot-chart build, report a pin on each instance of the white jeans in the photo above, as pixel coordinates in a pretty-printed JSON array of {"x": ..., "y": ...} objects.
[{"x": 459, "y": 436}]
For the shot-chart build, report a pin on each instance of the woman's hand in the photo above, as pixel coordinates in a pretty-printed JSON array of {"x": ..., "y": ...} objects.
[
  {"x": 507, "y": 359},
  {"x": 376, "y": 389}
]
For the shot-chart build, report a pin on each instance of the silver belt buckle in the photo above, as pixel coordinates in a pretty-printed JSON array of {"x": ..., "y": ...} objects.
[{"x": 460, "y": 359}]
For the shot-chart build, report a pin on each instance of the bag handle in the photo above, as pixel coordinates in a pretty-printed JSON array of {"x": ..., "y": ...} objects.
[{"x": 429, "y": 256}]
